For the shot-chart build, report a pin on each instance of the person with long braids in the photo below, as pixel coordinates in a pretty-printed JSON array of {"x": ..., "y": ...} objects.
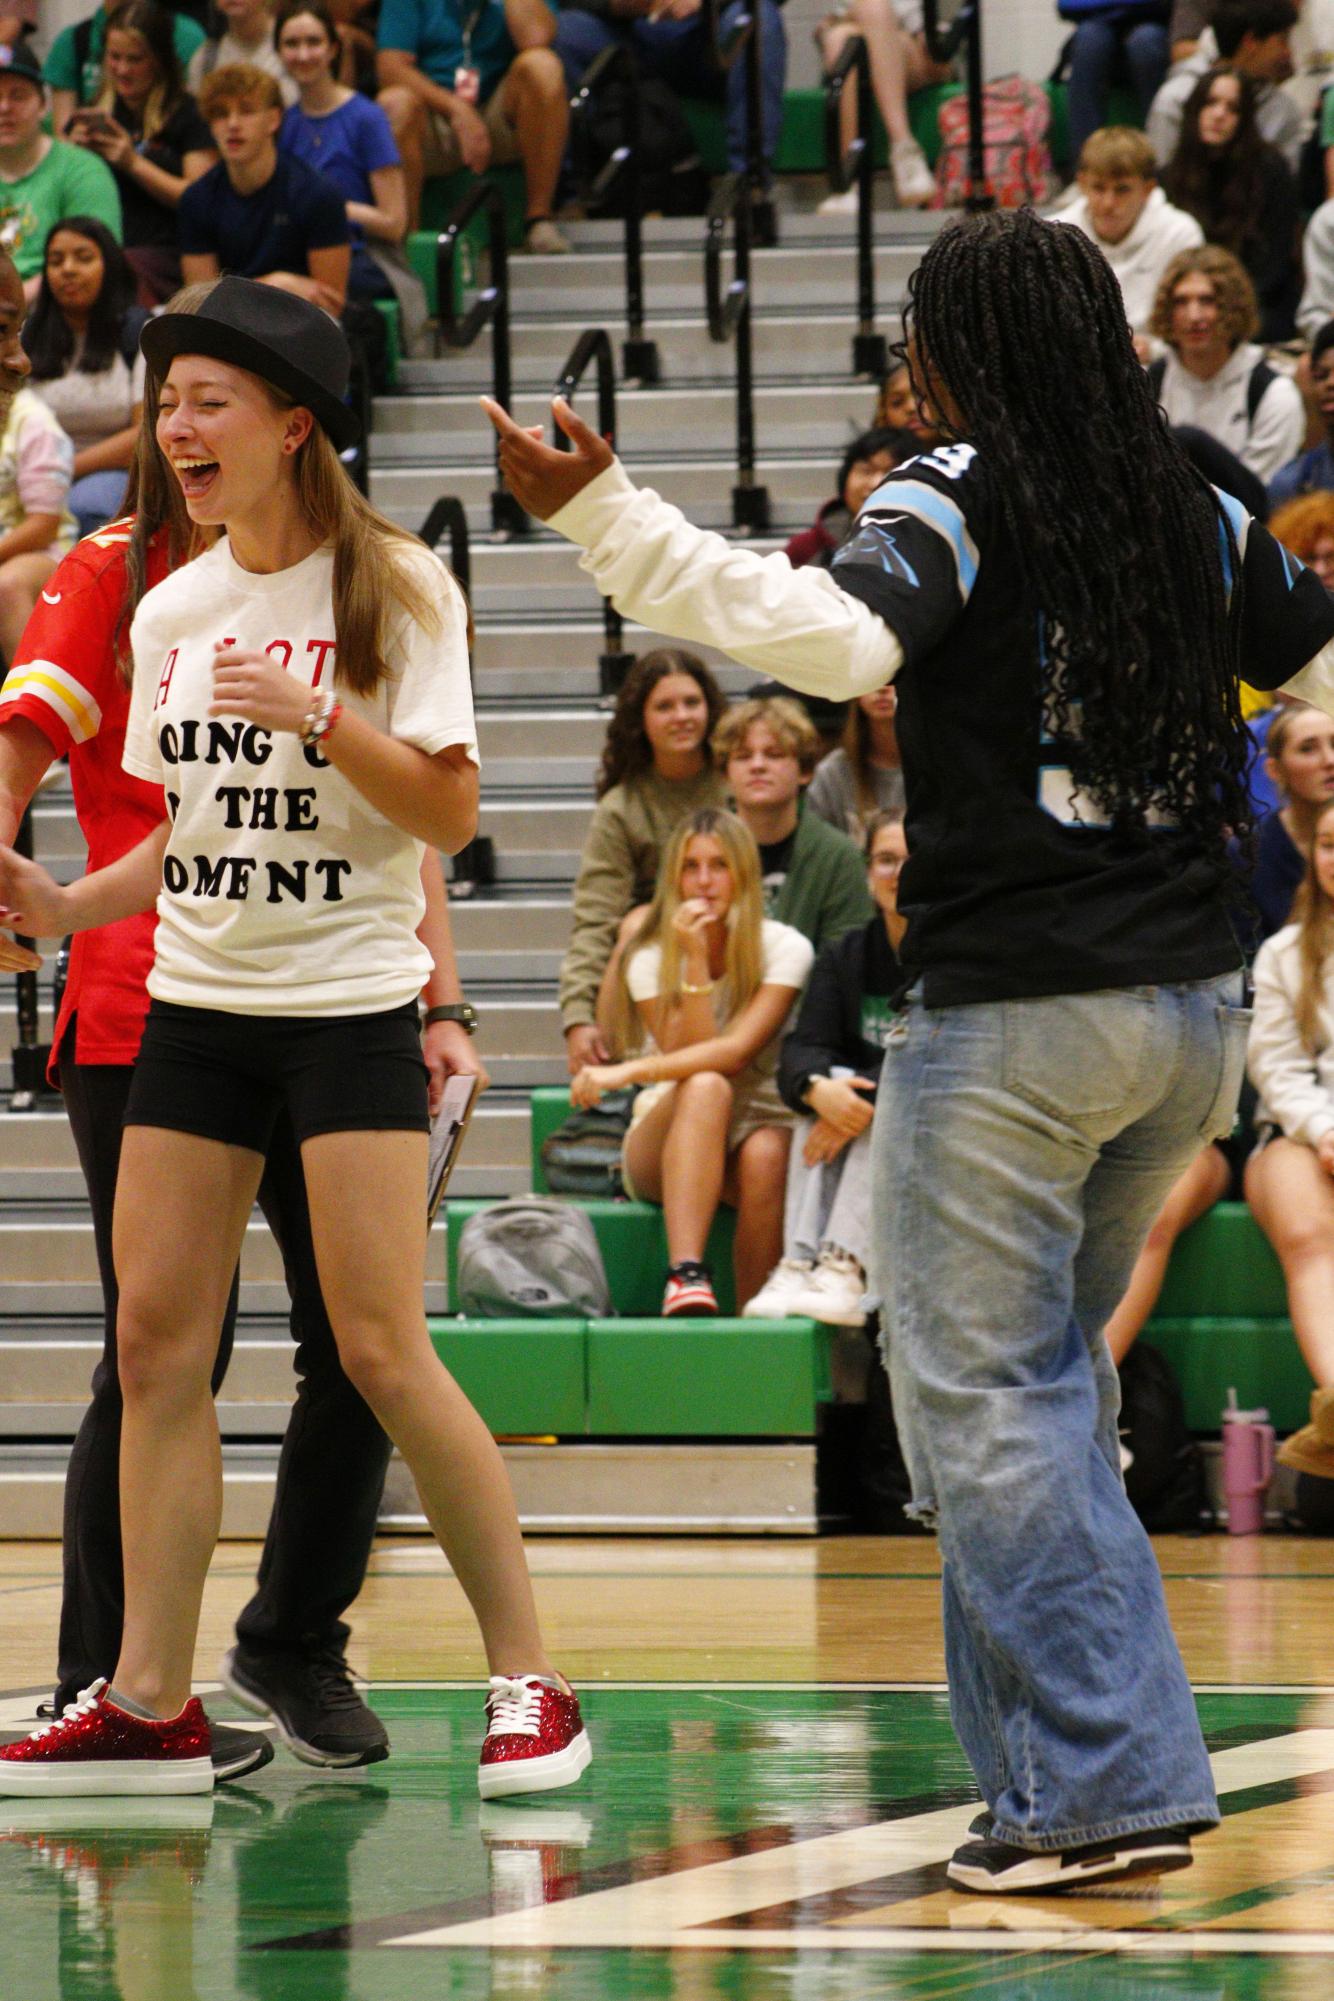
[
  {"x": 1065, "y": 606},
  {"x": 301, "y": 692}
]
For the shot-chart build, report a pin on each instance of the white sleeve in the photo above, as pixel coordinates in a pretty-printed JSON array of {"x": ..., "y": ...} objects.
[
  {"x": 430, "y": 688},
  {"x": 788, "y": 955},
  {"x": 1282, "y": 1069},
  {"x": 1317, "y": 304},
  {"x": 140, "y": 755},
  {"x": 643, "y": 973},
  {"x": 655, "y": 566},
  {"x": 1279, "y": 428}
]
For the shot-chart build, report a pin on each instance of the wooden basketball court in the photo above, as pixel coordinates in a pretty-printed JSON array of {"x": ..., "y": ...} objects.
[{"x": 774, "y": 1794}]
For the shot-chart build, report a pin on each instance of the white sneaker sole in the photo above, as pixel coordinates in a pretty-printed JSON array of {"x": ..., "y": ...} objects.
[
  {"x": 107, "y": 1778},
  {"x": 828, "y": 1315},
  {"x": 536, "y": 1775},
  {"x": 1041, "y": 1874}
]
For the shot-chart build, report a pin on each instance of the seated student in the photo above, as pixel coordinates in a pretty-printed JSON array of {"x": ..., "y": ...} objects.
[
  {"x": 813, "y": 876},
  {"x": 1299, "y": 762},
  {"x": 1112, "y": 43},
  {"x": 706, "y": 986},
  {"x": 261, "y": 213},
  {"x": 656, "y": 770},
  {"x": 36, "y": 526},
  {"x": 900, "y": 64},
  {"x": 1213, "y": 376},
  {"x": 247, "y": 37},
  {"x": 1255, "y": 36},
  {"x": 1312, "y": 471},
  {"x": 146, "y": 126},
  {"x": 862, "y": 780},
  {"x": 82, "y": 337},
  {"x": 42, "y": 180},
  {"x": 1128, "y": 216},
  {"x": 1290, "y": 1174},
  {"x": 865, "y": 463},
  {"x": 1240, "y": 190},
  {"x": 73, "y": 68},
  {"x": 897, "y": 409},
  {"x": 1317, "y": 300},
  {"x": 491, "y": 90},
  {"x": 827, "y": 1074}
]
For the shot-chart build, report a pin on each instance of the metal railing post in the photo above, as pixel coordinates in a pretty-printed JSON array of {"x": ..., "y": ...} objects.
[
  {"x": 870, "y": 354},
  {"x": 614, "y": 663},
  {"x": 490, "y": 308},
  {"x": 640, "y": 359},
  {"x": 743, "y": 41},
  {"x": 964, "y": 31},
  {"x": 730, "y": 318}
]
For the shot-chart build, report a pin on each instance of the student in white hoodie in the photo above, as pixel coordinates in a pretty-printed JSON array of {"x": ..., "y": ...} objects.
[
  {"x": 1213, "y": 376},
  {"x": 1128, "y": 216},
  {"x": 1255, "y": 36},
  {"x": 1290, "y": 1176}
]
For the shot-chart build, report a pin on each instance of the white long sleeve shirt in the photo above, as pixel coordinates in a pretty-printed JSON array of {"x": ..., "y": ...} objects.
[
  {"x": 1296, "y": 1087},
  {"x": 1144, "y": 252},
  {"x": 1219, "y": 406}
]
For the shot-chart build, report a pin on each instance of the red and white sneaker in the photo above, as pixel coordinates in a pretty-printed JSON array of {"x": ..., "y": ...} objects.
[
  {"x": 97, "y": 1748},
  {"x": 689, "y": 1291},
  {"x": 535, "y": 1738}
]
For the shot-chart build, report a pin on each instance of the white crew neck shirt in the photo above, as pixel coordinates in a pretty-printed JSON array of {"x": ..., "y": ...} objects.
[{"x": 284, "y": 891}]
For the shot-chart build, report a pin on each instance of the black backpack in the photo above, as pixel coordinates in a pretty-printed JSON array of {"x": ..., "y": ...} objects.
[
  {"x": 1163, "y": 1465},
  {"x": 583, "y": 1155},
  {"x": 672, "y": 177}
]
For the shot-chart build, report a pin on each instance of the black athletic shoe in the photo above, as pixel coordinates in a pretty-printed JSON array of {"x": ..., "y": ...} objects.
[
  {"x": 320, "y": 1717},
  {"x": 238, "y": 1752},
  {"x": 999, "y": 1868}
]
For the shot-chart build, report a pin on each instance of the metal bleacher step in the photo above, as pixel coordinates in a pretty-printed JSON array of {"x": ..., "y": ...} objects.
[{"x": 538, "y": 575}]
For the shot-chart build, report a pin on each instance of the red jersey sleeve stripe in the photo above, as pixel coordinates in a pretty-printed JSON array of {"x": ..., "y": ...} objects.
[{"x": 44, "y": 681}]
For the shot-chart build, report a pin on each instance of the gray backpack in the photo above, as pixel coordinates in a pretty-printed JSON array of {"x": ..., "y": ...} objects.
[{"x": 533, "y": 1257}]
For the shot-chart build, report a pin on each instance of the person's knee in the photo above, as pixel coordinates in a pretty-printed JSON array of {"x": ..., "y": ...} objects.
[
  {"x": 403, "y": 108},
  {"x": 373, "y": 1359},
  {"x": 154, "y": 1359},
  {"x": 708, "y": 1093},
  {"x": 537, "y": 75}
]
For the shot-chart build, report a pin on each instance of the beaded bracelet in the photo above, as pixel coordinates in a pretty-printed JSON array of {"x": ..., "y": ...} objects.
[{"x": 321, "y": 717}]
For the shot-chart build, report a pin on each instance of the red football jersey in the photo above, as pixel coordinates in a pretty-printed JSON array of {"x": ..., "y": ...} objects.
[{"x": 65, "y": 679}]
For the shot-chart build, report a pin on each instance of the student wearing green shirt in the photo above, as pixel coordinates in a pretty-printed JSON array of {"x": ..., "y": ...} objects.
[
  {"x": 73, "y": 69},
  {"x": 42, "y": 180}
]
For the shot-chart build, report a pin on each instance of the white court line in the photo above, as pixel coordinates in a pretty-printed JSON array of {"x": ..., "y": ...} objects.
[{"x": 666, "y": 1911}]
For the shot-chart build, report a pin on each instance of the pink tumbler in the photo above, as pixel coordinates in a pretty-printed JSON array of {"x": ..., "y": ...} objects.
[{"x": 1248, "y": 1466}]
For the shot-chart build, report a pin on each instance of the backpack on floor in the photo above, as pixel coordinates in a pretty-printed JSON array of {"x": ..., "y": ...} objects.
[
  {"x": 1163, "y": 1465},
  {"x": 583, "y": 1155},
  {"x": 531, "y": 1256},
  {"x": 1016, "y": 118}
]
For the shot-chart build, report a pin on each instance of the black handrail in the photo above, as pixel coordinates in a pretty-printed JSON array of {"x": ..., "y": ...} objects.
[
  {"x": 29, "y": 1057},
  {"x": 870, "y": 355},
  {"x": 942, "y": 46},
  {"x": 743, "y": 39},
  {"x": 448, "y": 513},
  {"x": 729, "y": 318},
  {"x": 640, "y": 360},
  {"x": 490, "y": 308},
  {"x": 614, "y": 663}
]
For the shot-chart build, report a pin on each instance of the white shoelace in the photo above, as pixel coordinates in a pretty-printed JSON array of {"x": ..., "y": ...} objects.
[
  {"x": 73, "y": 1712},
  {"x": 514, "y": 1707}
]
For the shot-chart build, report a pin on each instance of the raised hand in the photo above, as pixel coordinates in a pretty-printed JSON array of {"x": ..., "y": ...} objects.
[{"x": 542, "y": 479}]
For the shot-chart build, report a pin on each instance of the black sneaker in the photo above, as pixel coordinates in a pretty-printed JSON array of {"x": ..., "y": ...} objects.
[
  {"x": 320, "y": 1716},
  {"x": 998, "y": 1868},
  {"x": 238, "y": 1752}
]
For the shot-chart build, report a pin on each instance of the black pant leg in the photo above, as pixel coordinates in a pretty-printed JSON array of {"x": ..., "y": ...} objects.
[
  {"x": 334, "y": 1456},
  {"x": 93, "y": 1590}
]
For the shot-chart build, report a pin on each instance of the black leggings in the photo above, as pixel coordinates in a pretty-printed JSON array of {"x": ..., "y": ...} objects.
[{"x": 332, "y": 1467}]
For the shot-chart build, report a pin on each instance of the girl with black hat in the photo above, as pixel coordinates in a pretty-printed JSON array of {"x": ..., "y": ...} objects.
[{"x": 302, "y": 693}]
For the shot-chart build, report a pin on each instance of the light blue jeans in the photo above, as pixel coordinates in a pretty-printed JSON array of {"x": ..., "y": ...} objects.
[{"x": 1019, "y": 1154}]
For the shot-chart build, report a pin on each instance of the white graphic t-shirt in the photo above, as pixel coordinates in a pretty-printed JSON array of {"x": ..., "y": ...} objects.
[{"x": 284, "y": 892}]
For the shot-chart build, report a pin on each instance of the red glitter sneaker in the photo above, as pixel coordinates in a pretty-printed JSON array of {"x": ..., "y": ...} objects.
[
  {"x": 535, "y": 1738},
  {"x": 97, "y": 1748}
]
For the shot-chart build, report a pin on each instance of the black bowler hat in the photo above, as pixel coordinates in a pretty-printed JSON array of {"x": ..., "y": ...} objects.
[
  {"x": 282, "y": 339},
  {"x": 17, "y": 59}
]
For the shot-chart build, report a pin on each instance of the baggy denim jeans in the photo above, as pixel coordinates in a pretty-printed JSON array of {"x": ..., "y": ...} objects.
[{"x": 1020, "y": 1152}]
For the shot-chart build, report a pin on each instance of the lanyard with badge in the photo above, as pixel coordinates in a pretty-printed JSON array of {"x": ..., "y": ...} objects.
[{"x": 467, "y": 77}]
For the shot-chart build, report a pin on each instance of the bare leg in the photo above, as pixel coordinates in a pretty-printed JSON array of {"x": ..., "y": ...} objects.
[
  {"x": 181, "y": 1210},
  {"x": 756, "y": 1179},
  {"x": 21, "y": 578},
  {"x": 407, "y": 121},
  {"x": 1203, "y": 1183},
  {"x": 1292, "y": 1199},
  {"x": 535, "y": 103},
  {"x": 899, "y": 64},
  {"x": 833, "y": 39},
  {"x": 371, "y": 1254},
  {"x": 676, "y": 1156}
]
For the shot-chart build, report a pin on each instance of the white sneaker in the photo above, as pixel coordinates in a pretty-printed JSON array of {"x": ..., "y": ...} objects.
[
  {"x": 914, "y": 182},
  {"x": 844, "y": 204},
  {"x": 833, "y": 1292},
  {"x": 773, "y": 1301}
]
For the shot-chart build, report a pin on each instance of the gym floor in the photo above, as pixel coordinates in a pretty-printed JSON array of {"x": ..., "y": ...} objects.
[{"x": 774, "y": 1793}]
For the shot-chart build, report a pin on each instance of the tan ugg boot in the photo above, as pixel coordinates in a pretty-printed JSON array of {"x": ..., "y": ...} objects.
[{"x": 1311, "y": 1450}]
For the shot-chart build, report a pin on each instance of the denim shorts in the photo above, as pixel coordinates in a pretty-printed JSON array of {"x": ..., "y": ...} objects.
[{"x": 227, "y": 1076}]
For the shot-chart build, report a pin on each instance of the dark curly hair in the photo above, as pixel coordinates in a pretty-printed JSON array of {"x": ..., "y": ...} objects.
[
  {"x": 1114, "y": 534},
  {"x": 1223, "y": 187},
  {"x": 627, "y": 751}
]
